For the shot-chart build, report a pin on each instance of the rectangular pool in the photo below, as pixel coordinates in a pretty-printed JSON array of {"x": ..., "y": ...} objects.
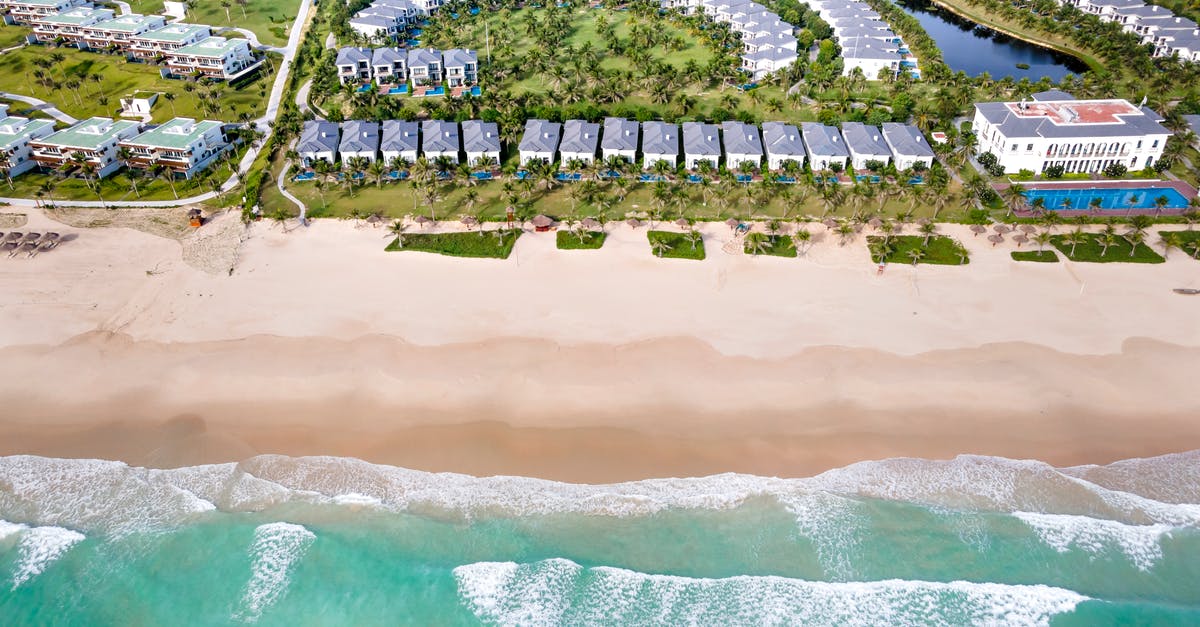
[{"x": 1110, "y": 198}]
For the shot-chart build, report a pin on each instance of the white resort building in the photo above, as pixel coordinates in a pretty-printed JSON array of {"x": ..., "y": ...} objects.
[
  {"x": 183, "y": 145},
  {"x": 92, "y": 141},
  {"x": 1079, "y": 135},
  {"x": 15, "y": 135}
]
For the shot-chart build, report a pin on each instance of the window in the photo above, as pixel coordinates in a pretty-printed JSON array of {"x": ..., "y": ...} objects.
[
  {"x": 1014, "y": 148},
  {"x": 1155, "y": 144},
  {"x": 1139, "y": 145},
  {"x": 1029, "y": 147}
]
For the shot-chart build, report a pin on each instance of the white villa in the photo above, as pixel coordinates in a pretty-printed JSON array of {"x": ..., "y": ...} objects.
[
  {"x": 440, "y": 139},
  {"x": 868, "y": 44},
  {"x": 215, "y": 57},
  {"x": 579, "y": 141},
  {"x": 742, "y": 144},
  {"x": 620, "y": 139},
  {"x": 94, "y": 139},
  {"x": 69, "y": 25},
  {"x": 783, "y": 144},
  {"x": 660, "y": 142},
  {"x": 15, "y": 135},
  {"x": 400, "y": 140},
  {"x": 26, "y": 11},
  {"x": 908, "y": 145},
  {"x": 540, "y": 141},
  {"x": 360, "y": 139},
  {"x": 865, "y": 144},
  {"x": 701, "y": 144},
  {"x": 318, "y": 142},
  {"x": 183, "y": 145},
  {"x": 1079, "y": 135},
  {"x": 481, "y": 139},
  {"x": 824, "y": 146}
]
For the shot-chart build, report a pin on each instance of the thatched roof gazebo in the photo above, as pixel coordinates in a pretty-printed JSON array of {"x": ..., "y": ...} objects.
[
  {"x": 978, "y": 228},
  {"x": 590, "y": 223},
  {"x": 995, "y": 239},
  {"x": 542, "y": 223}
]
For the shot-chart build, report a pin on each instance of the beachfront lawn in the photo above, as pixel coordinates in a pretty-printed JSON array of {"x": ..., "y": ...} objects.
[
  {"x": 570, "y": 240},
  {"x": 1187, "y": 241},
  {"x": 13, "y": 35},
  {"x": 266, "y": 18},
  {"x": 670, "y": 245},
  {"x": 1090, "y": 249},
  {"x": 1040, "y": 256},
  {"x": 941, "y": 251},
  {"x": 774, "y": 245},
  {"x": 103, "y": 79},
  {"x": 479, "y": 244}
]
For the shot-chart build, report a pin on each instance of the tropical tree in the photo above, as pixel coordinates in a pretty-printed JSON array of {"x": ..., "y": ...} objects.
[
  {"x": 397, "y": 229},
  {"x": 660, "y": 247},
  {"x": 1075, "y": 238},
  {"x": 916, "y": 254}
]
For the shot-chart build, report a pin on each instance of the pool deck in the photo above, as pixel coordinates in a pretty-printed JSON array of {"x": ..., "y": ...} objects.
[{"x": 1187, "y": 191}]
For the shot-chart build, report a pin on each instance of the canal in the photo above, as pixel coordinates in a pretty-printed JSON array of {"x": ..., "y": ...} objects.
[{"x": 976, "y": 49}]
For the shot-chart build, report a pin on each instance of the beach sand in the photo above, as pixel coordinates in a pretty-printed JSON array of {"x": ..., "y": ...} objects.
[{"x": 586, "y": 365}]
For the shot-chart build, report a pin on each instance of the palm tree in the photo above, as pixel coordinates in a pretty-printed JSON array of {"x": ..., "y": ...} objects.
[
  {"x": 1169, "y": 241},
  {"x": 916, "y": 255},
  {"x": 802, "y": 238},
  {"x": 757, "y": 244},
  {"x": 660, "y": 247},
  {"x": 377, "y": 171},
  {"x": 1075, "y": 238},
  {"x": 928, "y": 230},
  {"x": 1014, "y": 195},
  {"x": 1107, "y": 239},
  {"x": 693, "y": 237},
  {"x": 160, "y": 171},
  {"x": 319, "y": 185},
  {"x": 1135, "y": 238},
  {"x": 1043, "y": 238},
  {"x": 397, "y": 229}
]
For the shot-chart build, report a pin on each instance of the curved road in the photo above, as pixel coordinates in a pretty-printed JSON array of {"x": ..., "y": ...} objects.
[
  {"x": 262, "y": 124},
  {"x": 49, "y": 109},
  {"x": 254, "y": 42}
]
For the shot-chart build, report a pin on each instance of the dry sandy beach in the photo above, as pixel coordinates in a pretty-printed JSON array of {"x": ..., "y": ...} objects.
[{"x": 585, "y": 365}]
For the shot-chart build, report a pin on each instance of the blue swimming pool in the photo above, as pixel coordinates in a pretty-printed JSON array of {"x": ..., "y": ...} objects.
[{"x": 1110, "y": 198}]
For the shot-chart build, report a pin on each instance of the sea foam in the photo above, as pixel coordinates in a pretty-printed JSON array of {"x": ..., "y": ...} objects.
[
  {"x": 1140, "y": 543},
  {"x": 40, "y": 547},
  {"x": 559, "y": 591},
  {"x": 275, "y": 550},
  {"x": 8, "y": 529}
]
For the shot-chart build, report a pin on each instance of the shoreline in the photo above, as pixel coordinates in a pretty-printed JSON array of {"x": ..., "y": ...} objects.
[
  {"x": 585, "y": 365},
  {"x": 1094, "y": 64}
]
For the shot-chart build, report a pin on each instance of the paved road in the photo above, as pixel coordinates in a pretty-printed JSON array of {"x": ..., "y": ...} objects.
[
  {"x": 50, "y": 110},
  {"x": 262, "y": 124},
  {"x": 254, "y": 42}
]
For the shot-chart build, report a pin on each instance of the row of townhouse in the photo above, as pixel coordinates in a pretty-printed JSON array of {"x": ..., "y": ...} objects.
[
  {"x": 1167, "y": 32},
  {"x": 457, "y": 67},
  {"x": 868, "y": 43},
  {"x": 734, "y": 143},
  {"x": 183, "y": 48},
  {"x": 579, "y": 140},
  {"x": 321, "y": 140},
  {"x": 768, "y": 43},
  {"x": 1055, "y": 129},
  {"x": 183, "y": 145},
  {"x": 389, "y": 19}
]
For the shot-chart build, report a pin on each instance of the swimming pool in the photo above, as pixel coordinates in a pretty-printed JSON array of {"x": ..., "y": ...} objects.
[{"x": 1110, "y": 198}]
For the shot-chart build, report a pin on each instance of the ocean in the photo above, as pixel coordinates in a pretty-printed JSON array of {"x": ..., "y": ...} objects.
[{"x": 335, "y": 541}]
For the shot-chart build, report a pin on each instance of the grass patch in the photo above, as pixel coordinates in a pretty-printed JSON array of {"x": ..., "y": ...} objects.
[
  {"x": 670, "y": 245},
  {"x": 1040, "y": 256},
  {"x": 469, "y": 244},
  {"x": 1090, "y": 250},
  {"x": 570, "y": 241},
  {"x": 13, "y": 35},
  {"x": 118, "y": 78},
  {"x": 1187, "y": 241},
  {"x": 773, "y": 245},
  {"x": 941, "y": 251}
]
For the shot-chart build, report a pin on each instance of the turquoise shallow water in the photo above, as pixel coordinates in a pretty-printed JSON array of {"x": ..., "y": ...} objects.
[{"x": 281, "y": 541}]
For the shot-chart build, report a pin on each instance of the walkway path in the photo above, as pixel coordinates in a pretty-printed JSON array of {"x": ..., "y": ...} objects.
[
  {"x": 124, "y": 6},
  {"x": 46, "y": 107},
  {"x": 254, "y": 42},
  {"x": 262, "y": 124},
  {"x": 286, "y": 194}
]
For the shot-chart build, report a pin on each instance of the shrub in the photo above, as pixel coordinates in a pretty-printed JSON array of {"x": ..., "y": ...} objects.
[
  {"x": 1053, "y": 172},
  {"x": 987, "y": 159},
  {"x": 1115, "y": 170}
]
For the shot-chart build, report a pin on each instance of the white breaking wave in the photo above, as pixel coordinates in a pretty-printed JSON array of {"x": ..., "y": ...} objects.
[
  {"x": 1140, "y": 543},
  {"x": 559, "y": 591},
  {"x": 40, "y": 547},
  {"x": 276, "y": 549},
  {"x": 833, "y": 524},
  {"x": 9, "y": 529}
]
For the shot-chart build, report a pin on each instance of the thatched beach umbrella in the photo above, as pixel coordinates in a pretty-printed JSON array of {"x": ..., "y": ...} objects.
[
  {"x": 374, "y": 219},
  {"x": 590, "y": 223},
  {"x": 541, "y": 221},
  {"x": 682, "y": 223},
  {"x": 469, "y": 221},
  {"x": 1001, "y": 228},
  {"x": 423, "y": 220},
  {"x": 923, "y": 221},
  {"x": 875, "y": 223},
  {"x": 995, "y": 239},
  {"x": 830, "y": 223},
  {"x": 732, "y": 223},
  {"x": 1028, "y": 229},
  {"x": 633, "y": 222},
  {"x": 978, "y": 228},
  {"x": 1020, "y": 238}
]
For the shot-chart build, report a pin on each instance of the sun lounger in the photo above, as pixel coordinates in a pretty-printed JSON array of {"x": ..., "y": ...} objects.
[
  {"x": 49, "y": 242},
  {"x": 26, "y": 248},
  {"x": 13, "y": 236},
  {"x": 8, "y": 247},
  {"x": 31, "y": 237}
]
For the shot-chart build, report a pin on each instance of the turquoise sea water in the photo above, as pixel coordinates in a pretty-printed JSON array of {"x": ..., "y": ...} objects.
[{"x": 282, "y": 541}]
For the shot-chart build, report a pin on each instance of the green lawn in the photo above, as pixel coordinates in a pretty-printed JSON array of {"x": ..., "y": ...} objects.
[
  {"x": 267, "y": 18},
  {"x": 12, "y": 35},
  {"x": 679, "y": 247},
  {"x": 1041, "y": 256},
  {"x": 566, "y": 240},
  {"x": 775, "y": 245},
  {"x": 468, "y": 244},
  {"x": 942, "y": 250},
  {"x": 117, "y": 188},
  {"x": 118, "y": 78},
  {"x": 1188, "y": 241},
  {"x": 1091, "y": 251}
]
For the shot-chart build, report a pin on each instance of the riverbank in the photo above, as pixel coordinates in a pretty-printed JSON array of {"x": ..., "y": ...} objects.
[
  {"x": 587, "y": 365},
  {"x": 986, "y": 18}
]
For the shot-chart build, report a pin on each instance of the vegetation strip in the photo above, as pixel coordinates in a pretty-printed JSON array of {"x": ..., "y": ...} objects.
[
  {"x": 479, "y": 244},
  {"x": 671, "y": 245}
]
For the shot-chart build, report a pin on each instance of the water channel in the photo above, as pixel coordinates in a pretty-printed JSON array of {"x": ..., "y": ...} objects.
[{"x": 976, "y": 49}]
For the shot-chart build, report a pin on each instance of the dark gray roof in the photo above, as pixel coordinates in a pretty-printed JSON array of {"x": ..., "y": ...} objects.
[
  {"x": 480, "y": 136},
  {"x": 318, "y": 136},
  {"x": 373, "y": 20},
  {"x": 359, "y": 136},
  {"x": 620, "y": 134},
  {"x": 660, "y": 138},
  {"x": 459, "y": 57},
  {"x": 741, "y": 139},
  {"x": 701, "y": 139},
  {"x": 771, "y": 54},
  {"x": 580, "y": 136},
  {"x": 439, "y": 136},
  {"x": 1194, "y": 122},
  {"x": 424, "y": 56},
  {"x": 399, "y": 136},
  {"x": 1013, "y": 126},
  {"x": 823, "y": 140},
  {"x": 1051, "y": 95},
  {"x": 782, "y": 139},
  {"x": 864, "y": 139},
  {"x": 1143, "y": 10},
  {"x": 351, "y": 56},
  {"x": 540, "y": 136},
  {"x": 906, "y": 140}
]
